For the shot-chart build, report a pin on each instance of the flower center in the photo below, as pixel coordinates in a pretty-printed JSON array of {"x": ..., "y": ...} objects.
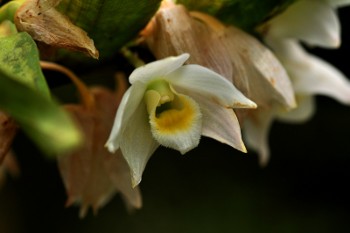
[
  {"x": 163, "y": 89},
  {"x": 174, "y": 116},
  {"x": 169, "y": 112}
]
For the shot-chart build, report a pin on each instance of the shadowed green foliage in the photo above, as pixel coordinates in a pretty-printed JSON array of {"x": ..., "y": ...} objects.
[
  {"x": 246, "y": 14},
  {"x": 110, "y": 23},
  {"x": 24, "y": 95}
]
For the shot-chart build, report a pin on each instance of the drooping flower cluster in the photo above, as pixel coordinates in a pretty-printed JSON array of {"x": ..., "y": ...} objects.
[
  {"x": 209, "y": 79},
  {"x": 315, "y": 23}
]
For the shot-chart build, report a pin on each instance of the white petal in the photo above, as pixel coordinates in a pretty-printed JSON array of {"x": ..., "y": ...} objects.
[
  {"x": 157, "y": 69},
  {"x": 266, "y": 77},
  {"x": 178, "y": 129},
  {"x": 311, "y": 75},
  {"x": 137, "y": 144},
  {"x": 220, "y": 123},
  {"x": 305, "y": 110},
  {"x": 312, "y": 21},
  {"x": 195, "y": 78},
  {"x": 339, "y": 3},
  {"x": 130, "y": 101},
  {"x": 256, "y": 133}
]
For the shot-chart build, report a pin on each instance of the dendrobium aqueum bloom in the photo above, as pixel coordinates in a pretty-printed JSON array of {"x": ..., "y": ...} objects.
[
  {"x": 236, "y": 55},
  {"x": 173, "y": 105},
  {"x": 315, "y": 23}
]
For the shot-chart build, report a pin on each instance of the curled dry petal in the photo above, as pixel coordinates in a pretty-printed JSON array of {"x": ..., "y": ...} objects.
[
  {"x": 44, "y": 23},
  {"x": 92, "y": 175}
]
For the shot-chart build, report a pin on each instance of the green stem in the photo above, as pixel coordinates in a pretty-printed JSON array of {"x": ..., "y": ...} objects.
[{"x": 132, "y": 57}]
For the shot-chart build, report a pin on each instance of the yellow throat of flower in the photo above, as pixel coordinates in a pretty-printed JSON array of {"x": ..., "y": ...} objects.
[{"x": 170, "y": 112}]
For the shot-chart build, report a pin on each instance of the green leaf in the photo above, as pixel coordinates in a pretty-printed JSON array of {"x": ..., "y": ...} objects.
[
  {"x": 19, "y": 57},
  {"x": 25, "y": 96},
  {"x": 246, "y": 14},
  {"x": 110, "y": 23},
  {"x": 42, "y": 119}
]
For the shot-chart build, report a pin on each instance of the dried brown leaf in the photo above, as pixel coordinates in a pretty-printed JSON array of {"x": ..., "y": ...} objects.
[
  {"x": 8, "y": 130},
  {"x": 44, "y": 23},
  {"x": 9, "y": 166},
  {"x": 91, "y": 174}
]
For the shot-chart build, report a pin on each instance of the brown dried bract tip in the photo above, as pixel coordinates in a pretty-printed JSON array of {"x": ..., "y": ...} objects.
[
  {"x": 8, "y": 130},
  {"x": 44, "y": 23},
  {"x": 91, "y": 174}
]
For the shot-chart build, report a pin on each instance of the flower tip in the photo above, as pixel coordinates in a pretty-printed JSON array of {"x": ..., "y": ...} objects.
[
  {"x": 336, "y": 43},
  {"x": 185, "y": 150},
  {"x": 263, "y": 162},
  {"x": 252, "y": 104},
  {"x": 135, "y": 180},
  {"x": 111, "y": 147},
  {"x": 247, "y": 104},
  {"x": 243, "y": 148},
  {"x": 184, "y": 56}
]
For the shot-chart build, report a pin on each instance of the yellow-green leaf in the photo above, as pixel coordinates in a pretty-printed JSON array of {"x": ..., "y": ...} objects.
[
  {"x": 19, "y": 57},
  {"x": 25, "y": 96},
  {"x": 42, "y": 119}
]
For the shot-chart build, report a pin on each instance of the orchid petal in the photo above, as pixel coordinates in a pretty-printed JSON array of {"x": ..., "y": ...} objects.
[
  {"x": 157, "y": 69},
  {"x": 305, "y": 110},
  {"x": 267, "y": 79},
  {"x": 226, "y": 130},
  {"x": 137, "y": 144},
  {"x": 338, "y": 3},
  {"x": 311, "y": 75},
  {"x": 256, "y": 133},
  {"x": 195, "y": 78},
  {"x": 312, "y": 21},
  {"x": 131, "y": 100}
]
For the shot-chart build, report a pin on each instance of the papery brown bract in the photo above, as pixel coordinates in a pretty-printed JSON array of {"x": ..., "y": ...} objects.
[
  {"x": 173, "y": 31},
  {"x": 92, "y": 175},
  {"x": 8, "y": 130},
  {"x": 9, "y": 166},
  {"x": 44, "y": 23}
]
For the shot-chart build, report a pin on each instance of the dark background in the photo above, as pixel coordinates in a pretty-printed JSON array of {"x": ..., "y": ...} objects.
[{"x": 213, "y": 188}]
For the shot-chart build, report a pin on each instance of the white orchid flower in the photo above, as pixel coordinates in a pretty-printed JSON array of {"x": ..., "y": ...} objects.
[
  {"x": 173, "y": 105},
  {"x": 314, "y": 22},
  {"x": 310, "y": 76}
]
